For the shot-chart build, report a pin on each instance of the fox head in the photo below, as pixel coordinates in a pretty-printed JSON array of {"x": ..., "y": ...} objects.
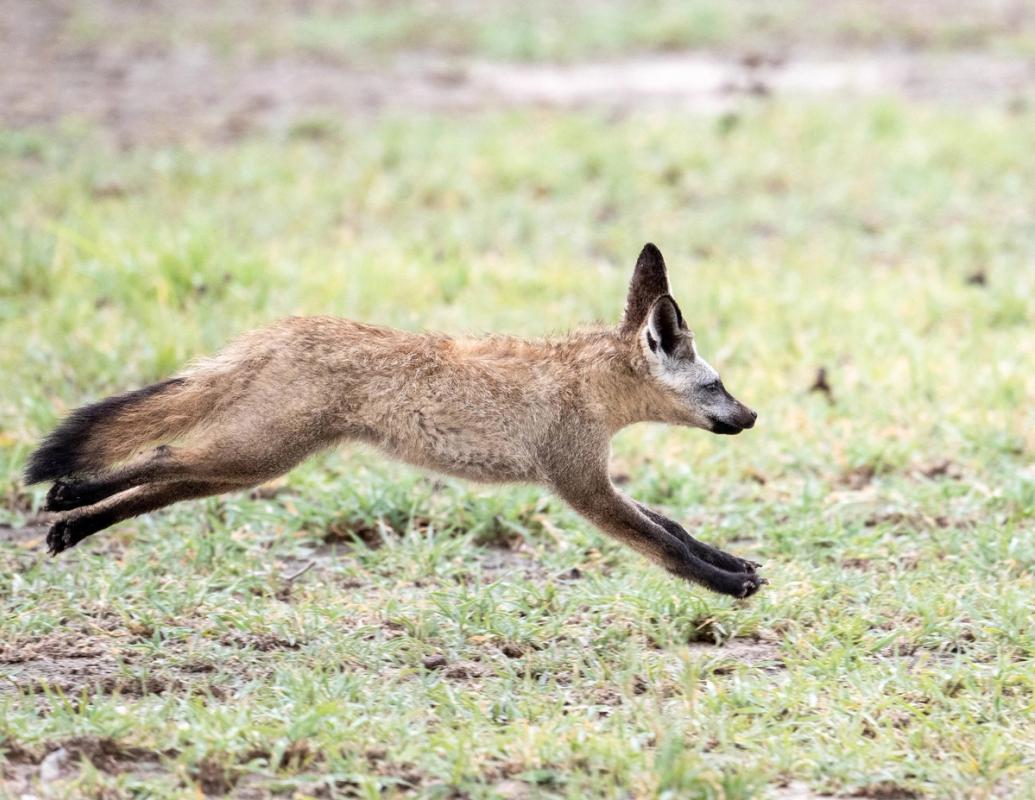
[{"x": 687, "y": 389}]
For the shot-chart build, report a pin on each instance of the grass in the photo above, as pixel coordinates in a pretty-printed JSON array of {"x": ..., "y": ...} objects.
[
  {"x": 452, "y": 640},
  {"x": 541, "y": 30}
]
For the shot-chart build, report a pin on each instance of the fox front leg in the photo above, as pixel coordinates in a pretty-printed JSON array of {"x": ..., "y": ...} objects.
[
  {"x": 616, "y": 515},
  {"x": 713, "y": 555}
]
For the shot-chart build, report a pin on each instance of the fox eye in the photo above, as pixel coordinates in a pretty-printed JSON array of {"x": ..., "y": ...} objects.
[{"x": 712, "y": 388}]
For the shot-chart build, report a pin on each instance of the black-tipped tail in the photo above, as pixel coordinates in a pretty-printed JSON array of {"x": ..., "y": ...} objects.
[{"x": 65, "y": 450}]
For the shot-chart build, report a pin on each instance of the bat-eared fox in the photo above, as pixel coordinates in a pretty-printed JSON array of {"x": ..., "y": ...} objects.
[{"x": 494, "y": 409}]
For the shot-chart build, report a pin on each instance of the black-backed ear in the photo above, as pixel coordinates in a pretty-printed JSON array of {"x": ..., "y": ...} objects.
[
  {"x": 649, "y": 282},
  {"x": 665, "y": 327}
]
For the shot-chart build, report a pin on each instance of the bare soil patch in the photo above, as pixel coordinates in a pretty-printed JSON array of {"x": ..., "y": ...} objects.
[
  {"x": 72, "y": 663},
  {"x": 73, "y": 676},
  {"x": 798, "y": 790},
  {"x": 151, "y": 93},
  {"x": 758, "y": 653},
  {"x": 25, "y": 770},
  {"x": 27, "y": 536}
]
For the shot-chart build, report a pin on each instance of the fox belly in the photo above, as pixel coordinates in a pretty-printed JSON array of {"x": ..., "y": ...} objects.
[{"x": 474, "y": 452}]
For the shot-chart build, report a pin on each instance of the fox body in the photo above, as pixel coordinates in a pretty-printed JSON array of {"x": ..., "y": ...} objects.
[{"x": 495, "y": 409}]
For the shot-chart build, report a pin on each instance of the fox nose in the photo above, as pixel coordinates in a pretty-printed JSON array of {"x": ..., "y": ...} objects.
[{"x": 752, "y": 416}]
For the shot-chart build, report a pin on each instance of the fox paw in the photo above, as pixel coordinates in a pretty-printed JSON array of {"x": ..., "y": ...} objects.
[
  {"x": 751, "y": 584},
  {"x": 67, "y": 533},
  {"x": 61, "y": 497},
  {"x": 60, "y": 537},
  {"x": 734, "y": 584},
  {"x": 731, "y": 563}
]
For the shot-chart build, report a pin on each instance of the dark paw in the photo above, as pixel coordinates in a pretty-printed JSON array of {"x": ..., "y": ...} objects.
[
  {"x": 734, "y": 584},
  {"x": 59, "y": 498},
  {"x": 60, "y": 537},
  {"x": 731, "y": 563},
  {"x": 70, "y": 532},
  {"x": 750, "y": 585},
  {"x": 66, "y": 496}
]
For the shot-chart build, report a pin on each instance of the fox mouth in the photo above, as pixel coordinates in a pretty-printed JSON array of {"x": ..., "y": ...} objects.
[{"x": 725, "y": 428}]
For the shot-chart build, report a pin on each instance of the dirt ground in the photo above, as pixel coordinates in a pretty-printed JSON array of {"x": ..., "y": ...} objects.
[{"x": 148, "y": 93}]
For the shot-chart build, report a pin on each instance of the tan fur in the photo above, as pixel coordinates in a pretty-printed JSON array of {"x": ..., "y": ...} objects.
[
  {"x": 157, "y": 419},
  {"x": 496, "y": 409}
]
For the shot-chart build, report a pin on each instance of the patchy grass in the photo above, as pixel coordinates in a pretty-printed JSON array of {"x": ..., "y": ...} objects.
[{"x": 360, "y": 629}]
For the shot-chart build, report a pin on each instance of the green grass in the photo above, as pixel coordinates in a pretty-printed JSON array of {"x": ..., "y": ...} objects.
[
  {"x": 893, "y": 651},
  {"x": 540, "y": 29}
]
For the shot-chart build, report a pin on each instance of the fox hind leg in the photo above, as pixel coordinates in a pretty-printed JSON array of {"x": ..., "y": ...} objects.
[
  {"x": 211, "y": 461},
  {"x": 236, "y": 459},
  {"x": 85, "y": 521},
  {"x": 162, "y": 464}
]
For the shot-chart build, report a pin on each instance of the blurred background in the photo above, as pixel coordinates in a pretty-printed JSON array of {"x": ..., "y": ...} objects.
[
  {"x": 158, "y": 71},
  {"x": 836, "y": 185},
  {"x": 845, "y": 194}
]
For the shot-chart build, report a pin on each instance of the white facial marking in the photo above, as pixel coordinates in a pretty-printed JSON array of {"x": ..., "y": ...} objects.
[{"x": 694, "y": 381}]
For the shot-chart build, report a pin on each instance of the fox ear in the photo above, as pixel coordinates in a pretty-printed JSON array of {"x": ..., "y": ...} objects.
[
  {"x": 665, "y": 327},
  {"x": 649, "y": 282}
]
